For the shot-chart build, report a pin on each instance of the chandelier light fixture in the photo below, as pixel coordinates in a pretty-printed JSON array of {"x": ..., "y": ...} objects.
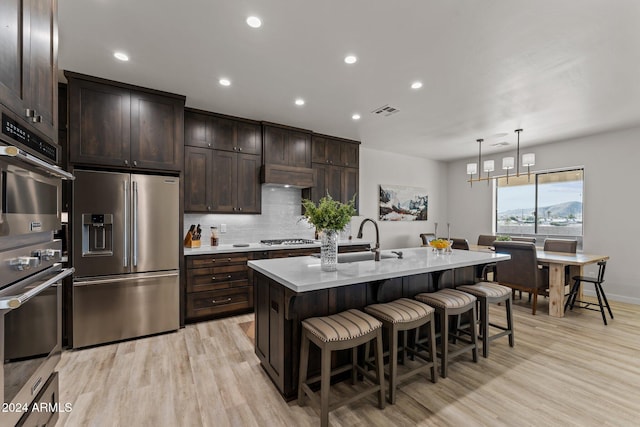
[{"x": 508, "y": 163}]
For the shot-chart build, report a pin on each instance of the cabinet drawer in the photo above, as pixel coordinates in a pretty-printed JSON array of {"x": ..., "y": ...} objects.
[
  {"x": 208, "y": 282},
  {"x": 216, "y": 260},
  {"x": 212, "y": 303}
]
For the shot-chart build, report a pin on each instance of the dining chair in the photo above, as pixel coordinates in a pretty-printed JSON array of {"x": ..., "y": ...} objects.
[
  {"x": 562, "y": 245},
  {"x": 482, "y": 271},
  {"x": 523, "y": 239},
  {"x": 426, "y": 238},
  {"x": 521, "y": 272},
  {"x": 486, "y": 240},
  {"x": 597, "y": 282},
  {"x": 457, "y": 243}
]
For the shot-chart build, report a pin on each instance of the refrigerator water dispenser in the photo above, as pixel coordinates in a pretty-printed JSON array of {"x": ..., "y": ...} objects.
[{"x": 97, "y": 234}]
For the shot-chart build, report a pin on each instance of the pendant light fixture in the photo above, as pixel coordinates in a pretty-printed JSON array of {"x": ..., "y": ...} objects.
[{"x": 508, "y": 163}]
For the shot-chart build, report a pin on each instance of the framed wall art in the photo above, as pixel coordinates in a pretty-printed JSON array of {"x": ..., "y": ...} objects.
[{"x": 402, "y": 203}]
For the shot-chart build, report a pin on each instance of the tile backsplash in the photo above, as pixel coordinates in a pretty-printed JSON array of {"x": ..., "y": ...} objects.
[{"x": 281, "y": 218}]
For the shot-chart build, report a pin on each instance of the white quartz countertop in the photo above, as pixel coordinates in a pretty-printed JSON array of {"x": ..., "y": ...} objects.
[
  {"x": 221, "y": 249},
  {"x": 302, "y": 274}
]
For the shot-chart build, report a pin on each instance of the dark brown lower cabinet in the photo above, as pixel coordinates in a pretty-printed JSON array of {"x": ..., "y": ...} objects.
[{"x": 220, "y": 285}]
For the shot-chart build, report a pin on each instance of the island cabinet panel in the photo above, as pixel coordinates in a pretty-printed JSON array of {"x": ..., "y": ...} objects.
[
  {"x": 28, "y": 58},
  {"x": 119, "y": 125},
  {"x": 280, "y": 311},
  {"x": 217, "y": 285}
]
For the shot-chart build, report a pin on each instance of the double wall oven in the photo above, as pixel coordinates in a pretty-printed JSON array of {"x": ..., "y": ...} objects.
[{"x": 31, "y": 274}]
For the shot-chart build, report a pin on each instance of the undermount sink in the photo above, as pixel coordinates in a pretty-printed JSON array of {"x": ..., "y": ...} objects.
[{"x": 358, "y": 256}]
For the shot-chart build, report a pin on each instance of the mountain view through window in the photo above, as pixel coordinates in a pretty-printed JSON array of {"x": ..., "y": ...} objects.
[{"x": 545, "y": 203}]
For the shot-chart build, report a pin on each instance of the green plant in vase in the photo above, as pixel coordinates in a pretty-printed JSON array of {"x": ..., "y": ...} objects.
[{"x": 329, "y": 217}]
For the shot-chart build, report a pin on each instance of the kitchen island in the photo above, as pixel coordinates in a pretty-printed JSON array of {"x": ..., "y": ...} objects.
[{"x": 287, "y": 291}]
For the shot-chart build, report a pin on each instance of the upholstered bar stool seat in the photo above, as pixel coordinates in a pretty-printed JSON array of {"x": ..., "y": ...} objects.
[
  {"x": 491, "y": 293},
  {"x": 346, "y": 330},
  {"x": 402, "y": 315},
  {"x": 452, "y": 302}
]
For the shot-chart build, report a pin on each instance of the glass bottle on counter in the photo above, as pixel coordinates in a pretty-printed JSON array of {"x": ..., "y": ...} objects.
[{"x": 214, "y": 236}]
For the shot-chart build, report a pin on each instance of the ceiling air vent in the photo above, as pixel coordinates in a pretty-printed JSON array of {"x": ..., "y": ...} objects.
[{"x": 385, "y": 110}]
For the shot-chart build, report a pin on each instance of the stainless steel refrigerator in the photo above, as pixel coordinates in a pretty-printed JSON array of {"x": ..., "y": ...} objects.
[{"x": 125, "y": 252}]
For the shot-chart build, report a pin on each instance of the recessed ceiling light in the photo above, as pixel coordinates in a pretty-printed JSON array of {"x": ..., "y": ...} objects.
[
  {"x": 254, "y": 22},
  {"x": 416, "y": 85},
  {"x": 121, "y": 56},
  {"x": 356, "y": 116},
  {"x": 299, "y": 101},
  {"x": 225, "y": 82},
  {"x": 350, "y": 59}
]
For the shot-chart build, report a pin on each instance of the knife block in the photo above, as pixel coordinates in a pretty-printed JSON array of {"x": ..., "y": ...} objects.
[{"x": 190, "y": 243}]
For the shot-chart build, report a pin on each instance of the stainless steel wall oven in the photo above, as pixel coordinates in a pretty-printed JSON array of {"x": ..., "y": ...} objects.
[{"x": 31, "y": 275}]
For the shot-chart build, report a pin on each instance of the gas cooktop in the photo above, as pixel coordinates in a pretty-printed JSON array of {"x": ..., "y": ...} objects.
[{"x": 293, "y": 241}]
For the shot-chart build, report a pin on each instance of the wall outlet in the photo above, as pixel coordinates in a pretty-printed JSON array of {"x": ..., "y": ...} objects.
[{"x": 223, "y": 228}]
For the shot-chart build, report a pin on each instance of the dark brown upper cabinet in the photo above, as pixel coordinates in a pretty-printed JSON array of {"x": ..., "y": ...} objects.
[
  {"x": 335, "y": 167},
  {"x": 335, "y": 151},
  {"x": 222, "y": 164},
  {"x": 28, "y": 64},
  {"x": 119, "y": 125},
  {"x": 218, "y": 181},
  {"x": 220, "y": 132},
  {"x": 286, "y": 146}
]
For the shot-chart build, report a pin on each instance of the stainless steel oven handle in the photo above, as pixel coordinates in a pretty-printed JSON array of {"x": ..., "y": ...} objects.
[
  {"x": 16, "y": 301},
  {"x": 12, "y": 151},
  {"x": 121, "y": 279}
]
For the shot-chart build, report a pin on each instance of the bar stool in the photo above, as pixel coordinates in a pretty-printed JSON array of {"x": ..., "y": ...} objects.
[
  {"x": 403, "y": 315},
  {"x": 348, "y": 329},
  {"x": 451, "y": 302},
  {"x": 491, "y": 293}
]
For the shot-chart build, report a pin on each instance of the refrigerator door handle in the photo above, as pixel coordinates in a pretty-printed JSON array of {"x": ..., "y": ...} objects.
[
  {"x": 135, "y": 224},
  {"x": 125, "y": 258},
  {"x": 89, "y": 282}
]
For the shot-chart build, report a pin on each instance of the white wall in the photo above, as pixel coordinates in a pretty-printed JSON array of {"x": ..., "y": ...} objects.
[
  {"x": 380, "y": 167},
  {"x": 611, "y": 226}
]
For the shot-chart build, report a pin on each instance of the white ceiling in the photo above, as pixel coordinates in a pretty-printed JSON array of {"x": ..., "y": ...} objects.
[{"x": 556, "y": 68}]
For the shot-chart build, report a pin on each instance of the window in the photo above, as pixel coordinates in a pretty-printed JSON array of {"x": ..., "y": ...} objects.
[{"x": 548, "y": 203}]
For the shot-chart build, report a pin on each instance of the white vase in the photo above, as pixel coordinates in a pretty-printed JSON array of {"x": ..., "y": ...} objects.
[{"x": 329, "y": 250}]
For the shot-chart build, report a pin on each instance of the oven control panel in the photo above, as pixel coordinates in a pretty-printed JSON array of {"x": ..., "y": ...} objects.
[{"x": 15, "y": 264}]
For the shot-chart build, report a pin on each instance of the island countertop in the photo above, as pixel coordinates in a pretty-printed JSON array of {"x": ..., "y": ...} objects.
[{"x": 302, "y": 274}]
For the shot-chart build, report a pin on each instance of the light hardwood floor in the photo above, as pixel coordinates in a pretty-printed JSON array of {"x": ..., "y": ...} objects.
[{"x": 562, "y": 372}]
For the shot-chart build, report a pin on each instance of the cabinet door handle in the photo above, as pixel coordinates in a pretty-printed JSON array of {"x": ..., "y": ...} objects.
[
  {"x": 235, "y": 148},
  {"x": 209, "y": 145},
  {"x": 215, "y": 302},
  {"x": 208, "y": 208},
  {"x": 240, "y": 149},
  {"x": 126, "y": 162},
  {"x": 229, "y": 276},
  {"x": 213, "y": 278},
  {"x": 135, "y": 163},
  {"x": 239, "y": 209},
  {"x": 36, "y": 119},
  {"x": 228, "y": 259},
  {"x": 29, "y": 112},
  {"x": 213, "y": 260}
]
